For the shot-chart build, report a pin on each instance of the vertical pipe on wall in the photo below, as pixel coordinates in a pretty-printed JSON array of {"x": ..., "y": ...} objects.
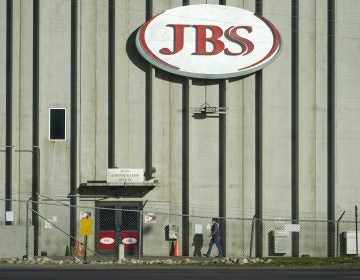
[
  {"x": 222, "y": 160},
  {"x": 73, "y": 136},
  {"x": 185, "y": 162},
  {"x": 331, "y": 129},
  {"x": 295, "y": 123},
  {"x": 258, "y": 154},
  {"x": 35, "y": 124},
  {"x": 148, "y": 107},
  {"x": 185, "y": 167},
  {"x": 9, "y": 77},
  {"x": 111, "y": 86},
  {"x": 222, "y": 165}
]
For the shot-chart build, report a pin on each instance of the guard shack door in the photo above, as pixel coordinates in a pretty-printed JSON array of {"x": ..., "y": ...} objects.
[{"x": 116, "y": 223}]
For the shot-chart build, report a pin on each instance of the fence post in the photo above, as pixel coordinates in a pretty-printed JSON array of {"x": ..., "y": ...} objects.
[
  {"x": 252, "y": 234},
  {"x": 140, "y": 233},
  {"x": 356, "y": 230},
  {"x": 258, "y": 236},
  {"x": 337, "y": 233},
  {"x": 140, "y": 227},
  {"x": 27, "y": 228}
]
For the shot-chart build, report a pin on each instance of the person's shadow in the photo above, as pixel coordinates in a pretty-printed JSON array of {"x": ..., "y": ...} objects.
[{"x": 198, "y": 242}]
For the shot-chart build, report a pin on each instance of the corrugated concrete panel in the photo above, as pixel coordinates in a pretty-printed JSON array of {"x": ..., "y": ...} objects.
[
  {"x": 121, "y": 80},
  {"x": 130, "y": 87},
  {"x": 321, "y": 124},
  {"x": 321, "y": 109},
  {"x": 347, "y": 106},
  {"x": 136, "y": 98},
  {"x": 88, "y": 101},
  {"x": 23, "y": 116},
  {"x": 175, "y": 148},
  {"x": 161, "y": 120},
  {"x": 307, "y": 109},
  {"x": 101, "y": 90},
  {"x": 204, "y": 152},
  {"x": 277, "y": 119},
  {"x": 249, "y": 148},
  {"x": 307, "y": 123},
  {"x": 235, "y": 95},
  {"x": 54, "y": 91}
]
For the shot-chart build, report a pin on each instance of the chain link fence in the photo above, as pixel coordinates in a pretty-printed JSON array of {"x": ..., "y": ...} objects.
[{"x": 132, "y": 230}]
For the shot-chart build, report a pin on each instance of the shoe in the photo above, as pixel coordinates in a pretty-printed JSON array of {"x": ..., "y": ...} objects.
[
  {"x": 219, "y": 256},
  {"x": 206, "y": 255}
]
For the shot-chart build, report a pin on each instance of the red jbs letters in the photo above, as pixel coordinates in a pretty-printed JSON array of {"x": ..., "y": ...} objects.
[{"x": 216, "y": 40}]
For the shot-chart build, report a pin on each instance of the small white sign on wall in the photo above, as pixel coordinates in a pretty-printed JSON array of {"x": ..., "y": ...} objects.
[
  {"x": 48, "y": 224},
  {"x": 9, "y": 216},
  {"x": 150, "y": 218},
  {"x": 119, "y": 175},
  {"x": 292, "y": 228}
]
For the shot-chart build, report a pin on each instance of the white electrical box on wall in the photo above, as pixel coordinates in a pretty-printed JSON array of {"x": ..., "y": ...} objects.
[
  {"x": 278, "y": 242},
  {"x": 349, "y": 242}
]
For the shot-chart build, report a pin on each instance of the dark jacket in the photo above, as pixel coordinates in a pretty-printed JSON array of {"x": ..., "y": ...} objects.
[{"x": 215, "y": 230}]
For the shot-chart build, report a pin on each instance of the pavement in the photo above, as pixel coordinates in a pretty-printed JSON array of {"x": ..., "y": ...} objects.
[{"x": 178, "y": 274}]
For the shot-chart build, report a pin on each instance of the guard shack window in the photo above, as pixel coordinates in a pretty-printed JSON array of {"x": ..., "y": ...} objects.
[{"x": 57, "y": 124}]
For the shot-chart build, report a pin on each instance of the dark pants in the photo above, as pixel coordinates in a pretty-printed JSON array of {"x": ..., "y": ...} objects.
[{"x": 216, "y": 240}]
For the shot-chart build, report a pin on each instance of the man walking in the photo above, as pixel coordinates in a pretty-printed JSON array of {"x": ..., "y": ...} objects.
[{"x": 215, "y": 238}]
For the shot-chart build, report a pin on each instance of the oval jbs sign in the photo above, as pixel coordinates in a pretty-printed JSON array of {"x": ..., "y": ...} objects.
[{"x": 209, "y": 41}]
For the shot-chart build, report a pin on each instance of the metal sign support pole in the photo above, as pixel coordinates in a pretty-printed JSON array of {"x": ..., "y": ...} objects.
[{"x": 356, "y": 230}]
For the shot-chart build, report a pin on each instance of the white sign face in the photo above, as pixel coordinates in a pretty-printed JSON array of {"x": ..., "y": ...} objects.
[
  {"x": 150, "y": 218},
  {"x": 9, "y": 216},
  {"x": 85, "y": 215},
  {"x": 47, "y": 224},
  {"x": 292, "y": 228},
  {"x": 198, "y": 229},
  {"x": 209, "y": 41},
  {"x": 118, "y": 175},
  {"x": 107, "y": 240},
  {"x": 129, "y": 241}
]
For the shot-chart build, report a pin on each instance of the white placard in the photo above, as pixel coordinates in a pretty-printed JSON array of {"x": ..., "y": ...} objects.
[
  {"x": 48, "y": 224},
  {"x": 198, "y": 228},
  {"x": 150, "y": 218},
  {"x": 85, "y": 215},
  {"x": 292, "y": 228},
  {"x": 119, "y": 175},
  {"x": 9, "y": 216}
]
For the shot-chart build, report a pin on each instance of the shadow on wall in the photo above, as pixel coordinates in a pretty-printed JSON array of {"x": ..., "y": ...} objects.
[{"x": 142, "y": 64}]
